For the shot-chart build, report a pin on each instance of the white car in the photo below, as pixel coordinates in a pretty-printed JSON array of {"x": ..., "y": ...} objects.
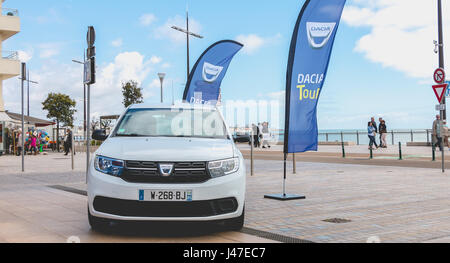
[{"x": 167, "y": 163}]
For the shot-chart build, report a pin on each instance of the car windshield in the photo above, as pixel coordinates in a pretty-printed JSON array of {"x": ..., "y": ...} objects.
[{"x": 175, "y": 122}]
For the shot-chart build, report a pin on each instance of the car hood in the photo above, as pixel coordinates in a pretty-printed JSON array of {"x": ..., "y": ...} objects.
[{"x": 163, "y": 149}]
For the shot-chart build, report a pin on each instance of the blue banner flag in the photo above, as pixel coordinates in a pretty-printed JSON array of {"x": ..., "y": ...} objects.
[
  {"x": 203, "y": 86},
  {"x": 309, "y": 56}
]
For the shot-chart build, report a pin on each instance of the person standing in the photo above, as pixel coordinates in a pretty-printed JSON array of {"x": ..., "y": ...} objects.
[
  {"x": 68, "y": 142},
  {"x": 266, "y": 135},
  {"x": 255, "y": 135},
  {"x": 19, "y": 143},
  {"x": 33, "y": 145},
  {"x": 371, "y": 133},
  {"x": 437, "y": 138},
  {"x": 383, "y": 133},
  {"x": 260, "y": 135},
  {"x": 374, "y": 124}
]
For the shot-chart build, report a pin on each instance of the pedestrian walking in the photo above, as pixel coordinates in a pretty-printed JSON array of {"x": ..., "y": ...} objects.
[
  {"x": 374, "y": 124},
  {"x": 371, "y": 133},
  {"x": 255, "y": 135},
  {"x": 260, "y": 135},
  {"x": 436, "y": 130},
  {"x": 68, "y": 142},
  {"x": 266, "y": 135},
  {"x": 383, "y": 133}
]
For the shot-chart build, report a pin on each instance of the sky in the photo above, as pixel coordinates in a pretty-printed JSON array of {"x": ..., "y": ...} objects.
[{"x": 382, "y": 61}]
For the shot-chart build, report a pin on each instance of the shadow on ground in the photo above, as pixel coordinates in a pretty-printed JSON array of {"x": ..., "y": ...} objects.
[{"x": 162, "y": 229}]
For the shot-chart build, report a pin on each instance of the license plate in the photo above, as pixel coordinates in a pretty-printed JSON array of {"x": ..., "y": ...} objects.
[{"x": 165, "y": 195}]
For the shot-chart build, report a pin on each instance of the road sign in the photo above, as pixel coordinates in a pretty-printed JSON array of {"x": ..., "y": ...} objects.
[
  {"x": 439, "y": 75},
  {"x": 90, "y": 38},
  {"x": 89, "y": 71},
  {"x": 439, "y": 90},
  {"x": 440, "y": 107}
]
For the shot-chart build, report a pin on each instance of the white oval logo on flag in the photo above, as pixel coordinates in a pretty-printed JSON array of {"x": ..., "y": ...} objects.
[
  {"x": 211, "y": 72},
  {"x": 317, "y": 30}
]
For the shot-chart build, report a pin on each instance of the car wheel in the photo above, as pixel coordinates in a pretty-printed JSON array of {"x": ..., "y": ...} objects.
[
  {"x": 236, "y": 224},
  {"x": 97, "y": 223}
]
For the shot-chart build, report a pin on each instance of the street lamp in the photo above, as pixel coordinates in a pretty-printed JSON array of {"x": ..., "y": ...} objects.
[
  {"x": 187, "y": 32},
  {"x": 161, "y": 79},
  {"x": 84, "y": 100}
]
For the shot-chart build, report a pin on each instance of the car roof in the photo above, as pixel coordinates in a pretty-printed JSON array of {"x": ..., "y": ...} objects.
[{"x": 180, "y": 105}]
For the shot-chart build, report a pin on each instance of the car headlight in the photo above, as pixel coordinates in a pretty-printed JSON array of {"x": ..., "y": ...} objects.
[
  {"x": 223, "y": 167},
  {"x": 108, "y": 165}
]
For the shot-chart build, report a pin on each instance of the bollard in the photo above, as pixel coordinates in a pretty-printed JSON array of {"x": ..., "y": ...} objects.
[
  {"x": 251, "y": 152},
  {"x": 294, "y": 164},
  {"x": 371, "y": 153},
  {"x": 393, "y": 142},
  {"x": 433, "y": 153},
  {"x": 400, "y": 151},
  {"x": 343, "y": 150},
  {"x": 357, "y": 137}
]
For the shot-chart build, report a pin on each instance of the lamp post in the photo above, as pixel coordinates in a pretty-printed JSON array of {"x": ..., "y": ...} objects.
[
  {"x": 84, "y": 100},
  {"x": 161, "y": 79},
  {"x": 188, "y": 33}
]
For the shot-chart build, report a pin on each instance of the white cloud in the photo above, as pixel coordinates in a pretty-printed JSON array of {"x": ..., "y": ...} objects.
[
  {"x": 24, "y": 56},
  {"x": 117, "y": 43},
  {"x": 165, "y": 31},
  {"x": 155, "y": 59},
  {"x": 147, "y": 19},
  {"x": 252, "y": 42},
  {"x": 401, "y": 33},
  {"x": 49, "y": 50}
]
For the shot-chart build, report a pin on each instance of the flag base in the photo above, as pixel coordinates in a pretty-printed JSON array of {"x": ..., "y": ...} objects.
[{"x": 284, "y": 197}]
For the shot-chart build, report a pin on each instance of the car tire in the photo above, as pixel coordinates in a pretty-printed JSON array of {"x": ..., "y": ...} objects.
[
  {"x": 97, "y": 223},
  {"x": 236, "y": 224}
]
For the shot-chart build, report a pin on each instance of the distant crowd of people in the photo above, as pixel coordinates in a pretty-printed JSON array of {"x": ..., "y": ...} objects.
[
  {"x": 261, "y": 135},
  {"x": 373, "y": 129}
]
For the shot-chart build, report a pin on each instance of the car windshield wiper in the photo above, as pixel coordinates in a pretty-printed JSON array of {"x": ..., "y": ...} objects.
[{"x": 129, "y": 135}]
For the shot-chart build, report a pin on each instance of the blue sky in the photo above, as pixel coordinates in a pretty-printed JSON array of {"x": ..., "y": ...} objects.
[{"x": 381, "y": 63}]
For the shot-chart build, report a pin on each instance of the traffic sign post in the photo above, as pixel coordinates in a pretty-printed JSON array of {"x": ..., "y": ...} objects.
[
  {"x": 439, "y": 90},
  {"x": 439, "y": 75},
  {"x": 89, "y": 78}
]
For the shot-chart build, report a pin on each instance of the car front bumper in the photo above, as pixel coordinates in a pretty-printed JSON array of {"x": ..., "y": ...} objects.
[{"x": 216, "y": 199}]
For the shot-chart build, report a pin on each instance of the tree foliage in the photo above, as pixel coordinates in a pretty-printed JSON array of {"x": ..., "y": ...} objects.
[
  {"x": 132, "y": 94},
  {"x": 60, "y": 108}
]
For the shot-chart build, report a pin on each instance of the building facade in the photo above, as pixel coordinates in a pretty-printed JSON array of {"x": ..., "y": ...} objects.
[{"x": 9, "y": 60}]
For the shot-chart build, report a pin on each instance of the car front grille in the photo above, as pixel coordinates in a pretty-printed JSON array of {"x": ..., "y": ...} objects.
[
  {"x": 148, "y": 172},
  {"x": 133, "y": 208}
]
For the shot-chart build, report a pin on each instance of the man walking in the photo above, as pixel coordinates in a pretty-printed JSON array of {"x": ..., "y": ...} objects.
[
  {"x": 437, "y": 137},
  {"x": 383, "y": 133},
  {"x": 68, "y": 142}
]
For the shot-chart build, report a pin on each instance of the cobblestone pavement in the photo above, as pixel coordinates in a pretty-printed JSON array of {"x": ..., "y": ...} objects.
[{"x": 390, "y": 204}]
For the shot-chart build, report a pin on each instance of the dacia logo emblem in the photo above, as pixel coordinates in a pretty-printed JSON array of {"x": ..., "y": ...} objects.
[
  {"x": 319, "y": 31},
  {"x": 211, "y": 72},
  {"x": 165, "y": 169}
]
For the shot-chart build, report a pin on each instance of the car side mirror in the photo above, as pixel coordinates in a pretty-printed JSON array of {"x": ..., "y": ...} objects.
[{"x": 99, "y": 135}]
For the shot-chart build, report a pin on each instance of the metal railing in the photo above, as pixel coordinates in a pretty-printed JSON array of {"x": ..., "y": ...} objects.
[
  {"x": 9, "y": 12},
  {"x": 13, "y": 55},
  {"x": 393, "y": 136}
]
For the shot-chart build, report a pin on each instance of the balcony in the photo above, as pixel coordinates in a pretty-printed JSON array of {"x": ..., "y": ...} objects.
[
  {"x": 9, "y": 64},
  {"x": 9, "y": 23}
]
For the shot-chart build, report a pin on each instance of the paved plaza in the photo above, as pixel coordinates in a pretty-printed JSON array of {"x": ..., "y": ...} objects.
[{"x": 362, "y": 202}]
